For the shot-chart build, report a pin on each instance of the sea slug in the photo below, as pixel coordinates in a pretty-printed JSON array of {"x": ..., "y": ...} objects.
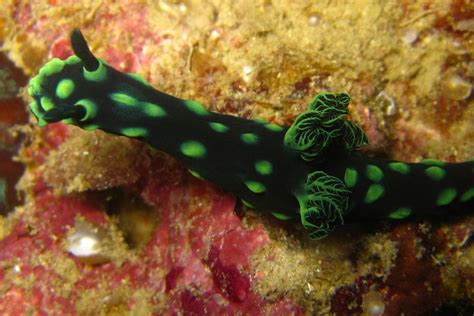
[{"x": 312, "y": 170}]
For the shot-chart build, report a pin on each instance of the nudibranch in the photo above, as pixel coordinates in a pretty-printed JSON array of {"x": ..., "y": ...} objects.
[{"x": 312, "y": 170}]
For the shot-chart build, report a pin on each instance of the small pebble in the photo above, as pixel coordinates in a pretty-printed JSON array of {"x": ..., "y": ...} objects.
[{"x": 457, "y": 88}]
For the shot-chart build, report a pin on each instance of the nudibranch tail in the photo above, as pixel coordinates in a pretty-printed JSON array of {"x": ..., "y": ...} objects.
[{"x": 312, "y": 170}]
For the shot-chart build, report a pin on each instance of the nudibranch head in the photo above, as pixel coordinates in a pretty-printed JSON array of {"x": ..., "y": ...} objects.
[{"x": 58, "y": 88}]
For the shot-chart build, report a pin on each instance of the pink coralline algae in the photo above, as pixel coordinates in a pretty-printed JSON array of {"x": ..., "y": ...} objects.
[{"x": 196, "y": 261}]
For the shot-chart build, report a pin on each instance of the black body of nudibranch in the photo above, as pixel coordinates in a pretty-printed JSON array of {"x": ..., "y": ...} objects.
[{"x": 311, "y": 170}]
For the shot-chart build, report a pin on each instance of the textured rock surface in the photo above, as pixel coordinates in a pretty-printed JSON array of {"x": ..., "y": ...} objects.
[{"x": 169, "y": 243}]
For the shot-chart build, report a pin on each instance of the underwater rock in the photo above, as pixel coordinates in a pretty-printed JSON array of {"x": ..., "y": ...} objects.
[{"x": 204, "y": 253}]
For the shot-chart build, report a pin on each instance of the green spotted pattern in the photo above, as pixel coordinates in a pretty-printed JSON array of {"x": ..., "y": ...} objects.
[
  {"x": 65, "y": 88},
  {"x": 446, "y": 196},
  {"x": 153, "y": 110},
  {"x": 401, "y": 213},
  {"x": 255, "y": 186},
  {"x": 91, "y": 109},
  {"x": 273, "y": 127},
  {"x": 97, "y": 75},
  {"x": 350, "y": 177},
  {"x": 432, "y": 162},
  {"x": 374, "y": 173},
  {"x": 399, "y": 167},
  {"x": 72, "y": 60},
  {"x": 134, "y": 132},
  {"x": 195, "y": 174},
  {"x": 247, "y": 204},
  {"x": 260, "y": 121},
  {"x": 281, "y": 216},
  {"x": 435, "y": 173},
  {"x": 54, "y": 66},
  {"x": 374, "y": 192},
  {"x": 46, "y": 103},
  {"x": 264, "y": 167},
  {"x": 138, "y": 78},
  {"x": 193, "y": 149},
  {"x": 249, "y": 138},
  {"x": 467, "y": 196},
  {"x": 123, "y": 98},
  {"x": 36, "y": 111},
  {"x": 90, "y": 127},
  {"x": 219, "y": 127},
  {"x": 196, "y": 107}
]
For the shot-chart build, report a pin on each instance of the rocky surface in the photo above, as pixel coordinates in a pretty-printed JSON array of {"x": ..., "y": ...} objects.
[{"x": 138, "y": 234}]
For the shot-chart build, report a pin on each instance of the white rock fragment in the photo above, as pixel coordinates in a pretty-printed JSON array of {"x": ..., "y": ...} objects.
[
  {"x": 410, "y": 37},
  {"x": 85, "y": 242},
  {"x": 388, "y": 102},
  {"x": 247, "y": 73}
]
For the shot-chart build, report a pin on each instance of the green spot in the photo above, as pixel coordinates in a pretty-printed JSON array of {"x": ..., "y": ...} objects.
[
  {"x": 91, "y": 109},
  {"x": 468, "y": 195},
  {"x": 195, "y": 174},
  {"x": 193, "y": 149},
  {"x": 46, "y": 103},
  {"x": 196, "y": 107},
  {"x": 401, "y": 213},
  {"x": 249, "y": 138},
  {"x": 433, "y": 162},
  {"x": 264, "y": 167},
  {"x": 54, "y": 66},
  {"x": 97, "y": 75},
  {"x": 374, "y": 173},
  {"x": 260, "y": 120},
  {"x": 350, "y": 177},
  {"x": 247, "y": 204},
  {"x": 435, "y": 173},
  {"x": 68, "y": 121},
  {"x": 273, "y": 127},
  {"x": 90, "y": 127},
  {"x": 281, "y": 216},
  {"x": 153, "y": 110},
  {"x": 399, "y": 167},
  {"x": 219, "y": 127},
  {"x": 123, "y": 98},
  {"x": 139, "y": 78},
  {"x": 134, "y": 131},
  {"x": 255, "y": 186},
  {"x": 446, "y": 196},
  {"x": 65, "y": 88},
  {"x": 374, "y": 192},
  {"x": 36, "y": 111},
  {"x": 72, "y": 60}
]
